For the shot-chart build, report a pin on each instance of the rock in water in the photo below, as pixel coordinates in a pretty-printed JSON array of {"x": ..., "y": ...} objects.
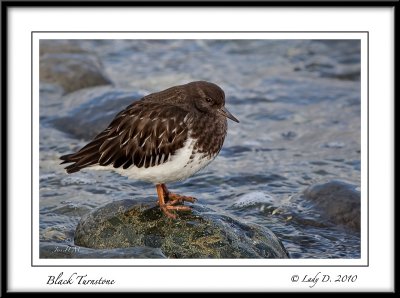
[
  {"x": 57, "y": 250},
  {"x": 338, "y": 200},
  {"x": 70, "y": 67},
  {"x": 203, "y": 233},
  {"x": 98, "y": 106}
]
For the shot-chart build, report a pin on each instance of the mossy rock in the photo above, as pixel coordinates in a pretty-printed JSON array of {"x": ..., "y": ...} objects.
[{"x": 202, "y": 233}]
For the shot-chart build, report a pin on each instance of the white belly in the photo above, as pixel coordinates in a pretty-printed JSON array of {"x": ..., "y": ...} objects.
[{"x": 179, "y": 167}]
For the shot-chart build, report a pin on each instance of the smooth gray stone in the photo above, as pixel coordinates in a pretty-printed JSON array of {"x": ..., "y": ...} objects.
[
  {"x": 96, "y": 110},
  {"x": 338, "y": 200},
  {"x": 70, "y": 67},
  {"x": 202, "y": 233}
]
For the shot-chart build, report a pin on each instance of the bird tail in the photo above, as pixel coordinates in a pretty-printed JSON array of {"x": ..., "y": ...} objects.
[{"x": 87, "y": 156}]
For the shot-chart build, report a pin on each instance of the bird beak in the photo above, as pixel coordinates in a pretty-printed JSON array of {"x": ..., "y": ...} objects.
[{"x": 227, "y": 114}]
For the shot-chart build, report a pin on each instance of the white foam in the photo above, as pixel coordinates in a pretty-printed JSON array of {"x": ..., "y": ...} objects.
[{"x": 253, "y": 198}]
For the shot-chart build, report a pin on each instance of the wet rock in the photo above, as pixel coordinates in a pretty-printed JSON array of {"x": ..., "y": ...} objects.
[
  {"x": 51, "y": 250},
  {"x": 70, "y": 67},
  {"x": 338, "y": 200},
  {"x": 202, "y": 233},
  {"x": 51, "y": 46},
  {"x": 96, "y": 110}
]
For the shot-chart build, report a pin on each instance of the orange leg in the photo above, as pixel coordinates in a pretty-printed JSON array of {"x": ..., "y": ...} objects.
[{"x": 167, "y": 201}]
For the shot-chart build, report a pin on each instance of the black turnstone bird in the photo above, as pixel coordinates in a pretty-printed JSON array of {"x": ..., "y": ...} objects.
[{"x": 164, "y": 137}]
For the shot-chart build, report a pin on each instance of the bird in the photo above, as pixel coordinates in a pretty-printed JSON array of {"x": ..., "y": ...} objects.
[{"x": 164, "y": 137}]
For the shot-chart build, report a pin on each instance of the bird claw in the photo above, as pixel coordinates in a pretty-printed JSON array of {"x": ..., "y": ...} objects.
[
  {"x": 166, "y": 208},
  {"x": 172, "y": 202},
  {"x": 175, "y": 199}
]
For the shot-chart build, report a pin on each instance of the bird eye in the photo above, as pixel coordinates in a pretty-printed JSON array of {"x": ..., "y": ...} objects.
[{"x": 208, "y": 99}]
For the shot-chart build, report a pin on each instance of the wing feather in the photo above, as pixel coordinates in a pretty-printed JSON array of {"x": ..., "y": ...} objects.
[{"x": 144, "y": 134}]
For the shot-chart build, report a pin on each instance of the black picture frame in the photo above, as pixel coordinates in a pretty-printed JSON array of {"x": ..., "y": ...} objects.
[{"x": 6, "y": 6}]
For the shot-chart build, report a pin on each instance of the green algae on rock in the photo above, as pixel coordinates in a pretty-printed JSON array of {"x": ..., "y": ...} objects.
[{"x": 203, "y": 233}]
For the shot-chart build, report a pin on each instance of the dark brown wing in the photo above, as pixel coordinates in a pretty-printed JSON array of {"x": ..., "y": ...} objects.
[{"x": 144, "y": 134}]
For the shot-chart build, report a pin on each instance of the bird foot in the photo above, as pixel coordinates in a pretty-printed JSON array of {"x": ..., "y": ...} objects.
[
  {"x": 168, "y": 201},
  {"x": 174, "y": 199},
  {"x": 166, "y": 209}
]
